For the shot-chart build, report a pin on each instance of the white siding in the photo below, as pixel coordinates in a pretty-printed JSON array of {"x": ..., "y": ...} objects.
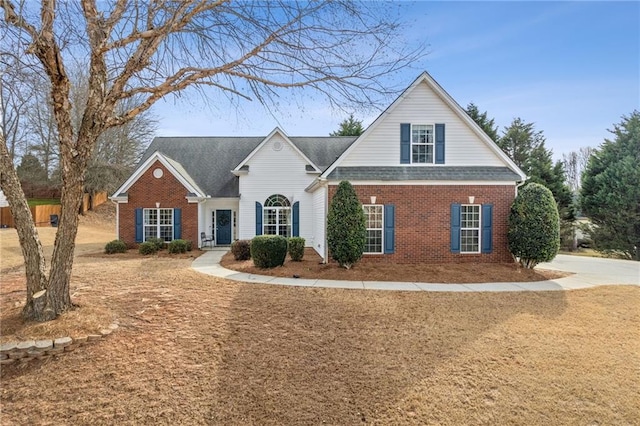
[
  {"x": 3, "y": 200},
  {"x": 422, "y": 106},
  {"x": 205, "y": 220},
  {"x": 319, "y": 220},
  {"x": 275, "y": 172}
]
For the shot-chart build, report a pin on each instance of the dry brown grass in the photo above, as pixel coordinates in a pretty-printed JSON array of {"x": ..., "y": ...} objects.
[{"x": 195, "y": 349}]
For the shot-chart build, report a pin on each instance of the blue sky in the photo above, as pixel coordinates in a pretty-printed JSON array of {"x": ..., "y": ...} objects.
[{"x": 572, "y": 68}]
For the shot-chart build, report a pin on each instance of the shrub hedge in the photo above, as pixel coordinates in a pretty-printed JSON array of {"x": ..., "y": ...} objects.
[
  {"x": 241, "y": 249},
  {"x": 158, "y": 242},
  {"x": 268, "y": 251},
  {"x": 115, "y": 246},
  {"x": 177, "y": 246},
  {"x": 147, "y": 248},
  {"x": 296, "y": 248}
]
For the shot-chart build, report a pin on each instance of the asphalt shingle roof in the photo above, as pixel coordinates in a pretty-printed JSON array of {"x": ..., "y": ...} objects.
[
  {"x": 208, "y": 161},
  {"x": 424, "y": 173}
]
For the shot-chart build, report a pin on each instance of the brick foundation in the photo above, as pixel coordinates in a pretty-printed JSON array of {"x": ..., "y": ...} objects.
[
  {"x": 146, "y": 192},
  {"x": 422, "y": 226}
]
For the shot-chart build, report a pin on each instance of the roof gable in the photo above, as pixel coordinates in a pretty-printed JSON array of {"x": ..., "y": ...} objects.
[
  {"x": 175, "y": 168},
  {"x": 459, "y": 115},
  {"x": 266, "y": 140}
]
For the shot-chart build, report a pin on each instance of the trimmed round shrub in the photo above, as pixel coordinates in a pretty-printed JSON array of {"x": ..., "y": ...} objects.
[
  {"x": 115, "y": 246},
  {"x": 189, "y": 245},
  {"x": 147, "y": 248},
  {"x": 346, "y": 226},
  {"x": 177, "y": 246},
  {"x": 268, "y": 251},
  {"x": 534, "y": 226},
  {"x": 241, "y": 249},
  {"x": 158, "y": 242},
  {"x": 296, "y": 248}
]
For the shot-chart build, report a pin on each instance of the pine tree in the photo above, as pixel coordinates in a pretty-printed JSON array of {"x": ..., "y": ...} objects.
[
  {"x": 610, "y": 194},
  {"x": 481, "y": 119},
  {"x": 349, "y": 127}
]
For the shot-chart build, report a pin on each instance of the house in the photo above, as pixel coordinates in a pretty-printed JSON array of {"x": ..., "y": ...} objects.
[{"x": 434, "y": 186}]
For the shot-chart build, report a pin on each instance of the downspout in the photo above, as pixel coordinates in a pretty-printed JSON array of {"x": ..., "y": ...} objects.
[
  {"x": 324, "y": 182},
  {"x": 117, "y": 218}
]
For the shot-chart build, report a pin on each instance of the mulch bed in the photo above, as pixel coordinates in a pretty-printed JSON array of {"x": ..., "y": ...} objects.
[{"x": 311, "y": 267}]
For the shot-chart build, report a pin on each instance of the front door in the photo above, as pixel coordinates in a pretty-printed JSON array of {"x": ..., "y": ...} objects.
[{"x": 223, "y": 227}]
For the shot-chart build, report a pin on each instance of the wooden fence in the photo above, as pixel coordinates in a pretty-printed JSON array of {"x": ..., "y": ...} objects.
[
  {"x": 99, "y": 198},
  {"x": 42, "y": 214}
]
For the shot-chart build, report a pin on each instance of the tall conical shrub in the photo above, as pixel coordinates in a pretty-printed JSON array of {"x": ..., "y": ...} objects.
[{"x": 346, "y": 226}]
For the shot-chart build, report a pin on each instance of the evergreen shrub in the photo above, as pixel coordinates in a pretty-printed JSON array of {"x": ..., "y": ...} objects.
[
  {"x": 346, "y": 226},
  {"x": 268, "y": 251},
  {"x": 147, "y": 248},
  {"x": 534, "y": 226},
  {"x": 158, "y": 242},
  {"x": 296, "y": 248},
  {"x": 241, "y": 249},
  {"x": 177, "y": 246},
  {"x": 115, "y": 246}
]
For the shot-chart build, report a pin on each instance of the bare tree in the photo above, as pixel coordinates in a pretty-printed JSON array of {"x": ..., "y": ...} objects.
[
  {"x": 118, "y": 148},
  {"x": 15, "y": 100},
  {"x": 43, "y": 135},
  {"x": 145, "y": 50},
  {"x": 574, "y": 164}
]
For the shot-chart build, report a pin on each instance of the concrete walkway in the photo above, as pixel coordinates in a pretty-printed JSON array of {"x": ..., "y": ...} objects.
[{"x": 588, "y": 272}]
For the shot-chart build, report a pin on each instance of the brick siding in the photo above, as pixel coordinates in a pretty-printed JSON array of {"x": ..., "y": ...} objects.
[
  {"x": 169, "y": 192},
  {"x": 423, "y": 222}
]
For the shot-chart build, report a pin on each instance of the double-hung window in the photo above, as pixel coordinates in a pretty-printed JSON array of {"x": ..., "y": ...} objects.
[
  {"x": 470, "y": 228},
  {"x": 277, "y": 216},
  {"x": 375, "y": 221},
  {"x": 158, "y": 223},
  {"x": 422, "y": 145}
]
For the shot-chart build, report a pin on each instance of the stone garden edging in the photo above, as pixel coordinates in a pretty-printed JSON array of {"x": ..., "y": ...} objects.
[{"x": 27, "y": 350}]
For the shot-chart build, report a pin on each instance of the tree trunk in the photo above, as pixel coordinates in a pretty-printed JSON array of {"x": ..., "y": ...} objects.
[
  {"x": 58, "y": 297},
  {"x": 27, "y": 234}
]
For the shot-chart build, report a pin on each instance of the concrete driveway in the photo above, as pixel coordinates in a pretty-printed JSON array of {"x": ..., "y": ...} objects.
[
  {"x": 588, "y": 272},
  {"x": 596, "y": 270}
]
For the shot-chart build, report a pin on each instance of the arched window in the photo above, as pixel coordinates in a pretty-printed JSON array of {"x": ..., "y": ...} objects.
[{"x": 277, "y": 216}]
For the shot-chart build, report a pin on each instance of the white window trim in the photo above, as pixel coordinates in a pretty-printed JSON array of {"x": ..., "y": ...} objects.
[
  {"x": 277, "y": 210},
  {"x": 433, "y": 143},
  {"x": 381, "y": 228},
  {"x": 479, "y": 228},
  {"x": 157, "y": 225}
]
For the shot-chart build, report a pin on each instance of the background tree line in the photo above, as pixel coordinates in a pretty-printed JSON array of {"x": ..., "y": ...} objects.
[{"x": 598, "y": 183}]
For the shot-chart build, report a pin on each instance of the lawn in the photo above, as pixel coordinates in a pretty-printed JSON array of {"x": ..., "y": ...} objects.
[
  {"x": 195, "y": 349},
  {"x": 43, "y": 201}
]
